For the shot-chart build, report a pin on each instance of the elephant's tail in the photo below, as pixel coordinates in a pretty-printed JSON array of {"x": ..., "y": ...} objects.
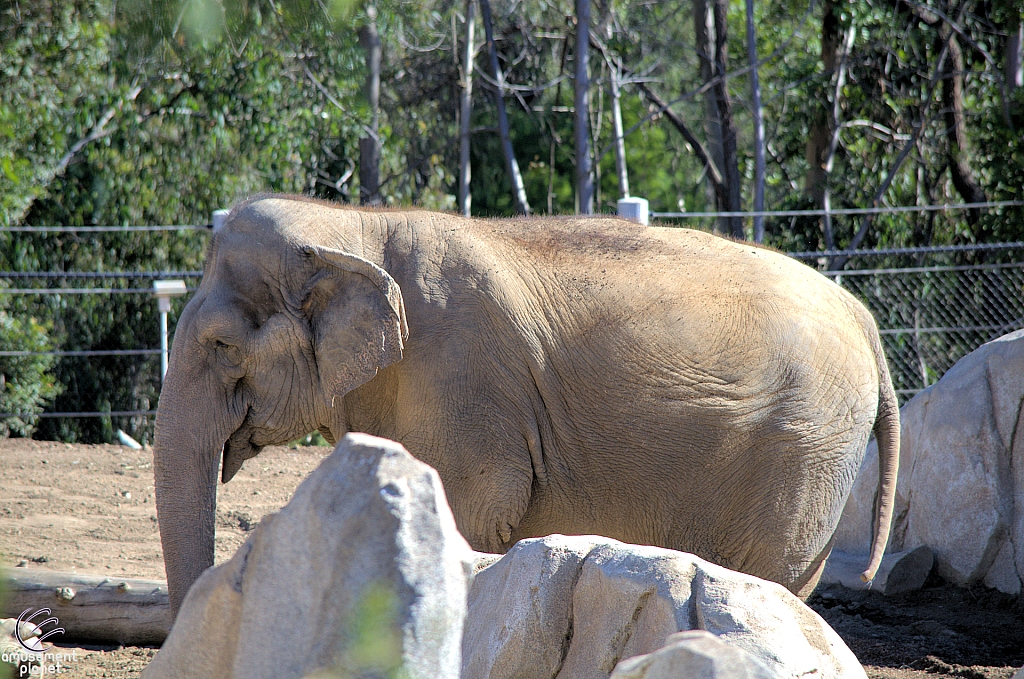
[{"x": 887, "y": 434}]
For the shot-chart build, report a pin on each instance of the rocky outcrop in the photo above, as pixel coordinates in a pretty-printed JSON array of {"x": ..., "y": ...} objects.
[
  {"x": 693, "y": 654},
  {"x": 575, "y": 607},
  {"x": 362, "y": 572},
  {"x": 961, "y": 480}
]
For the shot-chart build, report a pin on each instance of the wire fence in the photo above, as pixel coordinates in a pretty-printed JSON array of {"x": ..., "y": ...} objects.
[
  {"x": 933, "y": 305},
  {"x": 932, "y": 315}
]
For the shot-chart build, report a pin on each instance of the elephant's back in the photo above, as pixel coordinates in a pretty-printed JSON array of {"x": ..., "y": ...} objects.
[{"x": 683, "y": 306}]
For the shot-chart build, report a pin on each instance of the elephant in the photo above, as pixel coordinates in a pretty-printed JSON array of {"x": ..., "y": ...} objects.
[{"x": 574, "y": 375}]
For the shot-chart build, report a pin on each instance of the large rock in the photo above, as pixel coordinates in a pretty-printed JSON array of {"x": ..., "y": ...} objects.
[
  {"x": 961, "y": 480},
  {"x": 690, "y": 654},
  {"x": 362, "y": 570},
  {"x": 898, "y": 573},
  {"x": 574, "y": 607}
]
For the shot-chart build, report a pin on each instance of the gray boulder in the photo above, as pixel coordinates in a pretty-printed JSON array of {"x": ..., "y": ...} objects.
[
  {"x": 691, "y": 654},
  {"x": 363, "y": 571},
  {"x": 897, "y": 574},
  {"x": 961, "y": 481},
  {"x": 574, "y": 607}
]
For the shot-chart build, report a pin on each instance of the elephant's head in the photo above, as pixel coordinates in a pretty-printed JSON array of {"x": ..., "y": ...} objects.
[{"x": 282, "y": 327}]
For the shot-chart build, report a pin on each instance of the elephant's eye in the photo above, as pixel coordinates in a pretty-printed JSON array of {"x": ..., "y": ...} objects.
[
  {"x": 227, "y": 350},
  {"x": 228, "y": 355}
]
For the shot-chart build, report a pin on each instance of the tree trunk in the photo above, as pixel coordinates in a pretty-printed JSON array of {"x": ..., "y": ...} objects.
[
  {"x": 957, "y": 150},
  {"x": 1014, "y": 66},
  {"x": 704, "y": 30},
  {"x": 729, "y": 154},
  {"x": 105, "y": 610},
  {"x": 369, "y": 146},
  {"x": 522, "y": 206},
  {"x": 615, "y": 78},
  {"x": 820, "y": 135},
  {"x": 466, "y": 111},
  {"x": 755, "y": 100},
  {"x": 833, "y": 145},
  {"x": 581, "y": 56}
]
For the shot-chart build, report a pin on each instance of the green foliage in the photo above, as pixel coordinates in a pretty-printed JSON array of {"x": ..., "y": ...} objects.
[
  {"x": 373, "y": 648},
  {"x": 161, "y": 111},
  {"x": 26, "y": 383},
  {"x": 311, "y": 439}
]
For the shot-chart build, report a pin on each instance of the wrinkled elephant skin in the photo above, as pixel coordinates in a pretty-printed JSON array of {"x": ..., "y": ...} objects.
[{"x": 658, "y": 386}]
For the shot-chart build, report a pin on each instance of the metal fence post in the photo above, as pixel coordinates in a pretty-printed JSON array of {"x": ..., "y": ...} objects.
[{"x": 164, "y": 290}]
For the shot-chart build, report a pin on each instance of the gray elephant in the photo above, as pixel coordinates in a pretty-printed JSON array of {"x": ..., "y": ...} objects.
[{"x": 575, "y": 375}]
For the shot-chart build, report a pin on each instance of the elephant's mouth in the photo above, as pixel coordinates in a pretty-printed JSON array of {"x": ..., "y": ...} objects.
[{"x": 239, "y": 447}]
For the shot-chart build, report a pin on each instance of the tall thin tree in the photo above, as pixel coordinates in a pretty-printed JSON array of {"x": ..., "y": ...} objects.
[
  {"x": 615, "y": 86},
  {"x": 584, "y": 165},
  {"x": 957, "y": 150},
  {"x": 755, "y": 100},
  {"x": 721, "y": 89},
  {"x": 466, "y": 111},
  {"x": 704, "y": 30},
  {"x": 820, "y": 126},
  {"x": 521, "y": 205},
  {"x": 369, "y": 146},
  {"x": 1014, "y": 63}
]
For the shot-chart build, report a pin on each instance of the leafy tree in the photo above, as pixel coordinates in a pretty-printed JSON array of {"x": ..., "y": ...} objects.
[
  {"x": 26, "y": 383},
  {"x": 161, "y": 111}
]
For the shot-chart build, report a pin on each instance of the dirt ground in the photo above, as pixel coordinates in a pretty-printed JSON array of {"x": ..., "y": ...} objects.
[{"x": 90, "y": 509}]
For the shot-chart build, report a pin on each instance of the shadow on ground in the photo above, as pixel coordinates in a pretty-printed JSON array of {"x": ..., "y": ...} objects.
[{"x": 975, "y": 633}]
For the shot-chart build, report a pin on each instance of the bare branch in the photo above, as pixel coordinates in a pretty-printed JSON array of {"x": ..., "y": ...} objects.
[
  {"x": 698, "y": 148},
  {"x": 919, "y": 126},
  {"x": 711, "y": 83},
  {"x": 319, "y": 85},
  {"x": 932, "y": 16},
  {"x": 98, "y": 131}
]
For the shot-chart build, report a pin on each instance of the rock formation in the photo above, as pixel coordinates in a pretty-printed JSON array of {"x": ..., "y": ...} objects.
[
  {"x": 361, "y": 573},
  {"x": 961, "y": 480}
]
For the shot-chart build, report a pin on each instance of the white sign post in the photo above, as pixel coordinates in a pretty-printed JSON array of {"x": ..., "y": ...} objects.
[{"x": 164, "y": 290}]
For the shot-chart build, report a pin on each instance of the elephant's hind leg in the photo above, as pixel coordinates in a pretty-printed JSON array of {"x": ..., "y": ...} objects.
[{"x": 805, "y": 585}]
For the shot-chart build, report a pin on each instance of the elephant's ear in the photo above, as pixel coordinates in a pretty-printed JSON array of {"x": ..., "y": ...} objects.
[{"x": 358, "y": 320}]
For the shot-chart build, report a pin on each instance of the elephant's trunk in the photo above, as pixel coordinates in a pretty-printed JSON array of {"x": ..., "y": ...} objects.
[{"x": 191, "y": 426}]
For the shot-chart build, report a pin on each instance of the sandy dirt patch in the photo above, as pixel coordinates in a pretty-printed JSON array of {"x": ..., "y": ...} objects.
[{"x": 90, "y": 509}]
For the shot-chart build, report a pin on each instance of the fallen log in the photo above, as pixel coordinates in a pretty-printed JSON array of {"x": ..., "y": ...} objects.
[{"x": 90, "y": 608}]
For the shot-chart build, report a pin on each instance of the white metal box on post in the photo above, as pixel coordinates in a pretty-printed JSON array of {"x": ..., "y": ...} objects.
[
  {"x": 163, "y": 291},
  {"x": 219, "y": 217},
  {"x": 634, "y": 208}
]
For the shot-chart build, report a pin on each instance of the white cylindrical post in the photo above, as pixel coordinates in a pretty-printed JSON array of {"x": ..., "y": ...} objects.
[
  {"x": 165, "y": 306},
  {"x": 163, "y": 291},
  {"x": 219, "y": 217},
  {"x": 634, "y": 208}
]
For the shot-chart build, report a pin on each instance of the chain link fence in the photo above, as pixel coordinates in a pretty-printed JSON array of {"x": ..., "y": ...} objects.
[{"x": 934, "y": 305}]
